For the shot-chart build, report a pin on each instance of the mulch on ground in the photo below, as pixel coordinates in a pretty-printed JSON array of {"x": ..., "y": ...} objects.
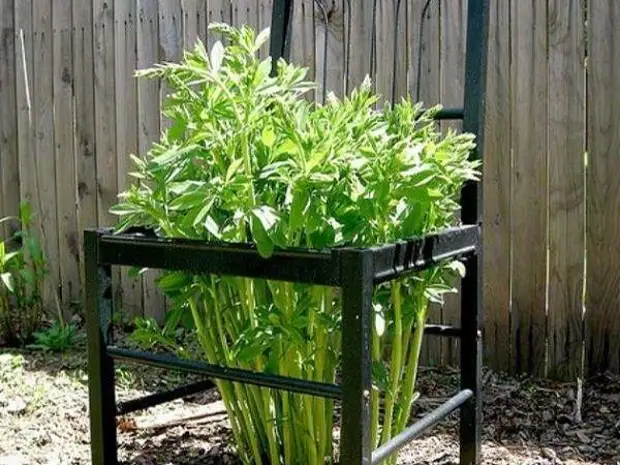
[{"x": 44, "y": 418}]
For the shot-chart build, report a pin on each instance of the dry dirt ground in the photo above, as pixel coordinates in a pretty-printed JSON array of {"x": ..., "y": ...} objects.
[{"x": 44, "y": 418}]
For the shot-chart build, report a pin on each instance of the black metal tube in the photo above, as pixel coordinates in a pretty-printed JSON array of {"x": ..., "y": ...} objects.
[
  {"x": 281, "y": 16},
  {"x": 441, "y": 330},
  {"x": 330, "y": 391},
  {"x": 471, "y": 213},
  {"x": 394, "y": 260},
  {"x": 449, "y": 114},
  {"x": 294, "y": 265},
  {"x": 98, "y": 310},
  {"x": 410, "y": 433},
  {"x": 357, "y": 289},
  {"x": 157, "y": 398}
]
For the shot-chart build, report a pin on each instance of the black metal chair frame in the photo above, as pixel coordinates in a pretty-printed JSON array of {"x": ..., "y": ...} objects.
[{"x": 355, "y": 270}]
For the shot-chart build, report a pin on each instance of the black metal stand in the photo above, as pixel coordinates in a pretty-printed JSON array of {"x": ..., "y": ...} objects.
[{"x": 355, "y": 271}]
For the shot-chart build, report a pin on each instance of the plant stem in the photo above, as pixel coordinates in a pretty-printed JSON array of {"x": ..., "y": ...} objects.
[{"x": 396, "y": 363}]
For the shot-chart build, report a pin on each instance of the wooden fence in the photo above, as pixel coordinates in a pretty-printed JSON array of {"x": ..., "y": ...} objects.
[{"x": 71, "y": 111}]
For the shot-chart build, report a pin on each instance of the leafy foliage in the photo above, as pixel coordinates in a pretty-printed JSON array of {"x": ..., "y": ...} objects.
[
  {"x": 248, "y": 159},
  {"x": 57, "y": 338},
  {"x": 21, "y": 279}
]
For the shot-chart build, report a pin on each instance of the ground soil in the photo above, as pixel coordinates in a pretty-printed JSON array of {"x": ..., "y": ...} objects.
[{"x": 44, "y": 418}]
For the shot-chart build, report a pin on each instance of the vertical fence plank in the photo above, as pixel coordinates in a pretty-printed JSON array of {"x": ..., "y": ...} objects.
[
  {"x": 190, "y": 22},
  {"x": 44, "y": 163},
  {"x": 149, "y": 122},
  {"x": 264, "y": 8},
  {"x": 425, "y": 79},
  {"x": 65, "y": 166},
  {"x": 202, "y": 19},
  {"x": 245, "y": 12},
  {"x": 603, "y": 188},
  {"x": 529, "y": 206},
  {"x": 496, "y": 193},
  {"x": 105, "y": 109},
  {"x": 220, "y": 11},
  {"x": 126, "y": 94},
  {"x": 566, "y": 122},
  {"x": 9, "y": 161},
  {"x": 358, "y": 32},
  {"x": 452, "y": 44},
  {"x": 391, "y": 40},
  {"x": 303, "y": 47},
  {"x": 330, "y": 47},
  {"x": 84, "y": 120},
  {"x": 170, "y": 43}
]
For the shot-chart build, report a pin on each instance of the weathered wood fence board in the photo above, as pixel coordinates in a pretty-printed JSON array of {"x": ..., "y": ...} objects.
[
  {"x": 496, "y": 250},
  {"x": 603, "y": 187},
  {"x": 566, "y": 148},
  {"x": 71, "y": 111}
]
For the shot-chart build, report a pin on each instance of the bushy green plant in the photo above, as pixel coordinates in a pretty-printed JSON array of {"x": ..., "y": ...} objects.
[
  {"x": 59, "y": 337},
  {"x": 248, "y": 159},
  {"x": 22, "y": 270}
]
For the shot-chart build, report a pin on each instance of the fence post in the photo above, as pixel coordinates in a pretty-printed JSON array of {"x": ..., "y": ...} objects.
[{"x": 100, "y": 365}]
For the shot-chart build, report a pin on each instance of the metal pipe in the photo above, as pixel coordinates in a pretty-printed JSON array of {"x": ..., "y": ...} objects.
[
  {"x": 157, "y": 398},
  {"x": 441, "y": 330},
  {"x": 401, "y": 440},
  {"x": 449, "y": 114},
  {"x": 330, "y": 391}
]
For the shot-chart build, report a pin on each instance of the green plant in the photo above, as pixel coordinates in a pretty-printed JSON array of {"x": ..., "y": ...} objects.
[
  {"x": 58, "y": 337},
  {"x": 22, "y": 271},
  {"x": 248, "y": 159}
]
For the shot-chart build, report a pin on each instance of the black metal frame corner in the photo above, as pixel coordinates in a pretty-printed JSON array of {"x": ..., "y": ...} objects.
[{"x": 355, "y": 270}]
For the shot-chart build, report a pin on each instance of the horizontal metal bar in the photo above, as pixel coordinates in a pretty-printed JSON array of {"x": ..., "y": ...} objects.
[
  {"x": 410, "y": 433},
  {"x": 330, "y": 391},
  {"x": 449, "y": 114},
  {"x": 157, "y": 398},
  {"x": 394, "y": 260},
  {"x": 442, "y": 330},
  {"x": 294, "y": 265}
]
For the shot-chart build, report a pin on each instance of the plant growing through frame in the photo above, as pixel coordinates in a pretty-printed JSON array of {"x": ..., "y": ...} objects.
[{"x": 248, "y": 159}]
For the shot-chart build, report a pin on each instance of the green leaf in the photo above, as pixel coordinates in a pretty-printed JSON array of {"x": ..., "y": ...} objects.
[
  {"x": 268, "y": 137},
  {"x": 9, "y": 282},
  {"x": 217, "y": 56},
  {"x": 213, "y": 227},
  {"x": 261, "y": 38}
]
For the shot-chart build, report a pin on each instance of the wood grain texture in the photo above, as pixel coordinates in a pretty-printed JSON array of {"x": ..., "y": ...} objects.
[
  {"x": 149, "y": 123},
  {"x": 219, "y": 11},
  {"x": 105, "y": 109},
  {"x": 425, "y": 73},
  {"x": 358, "y": 41},
  {"x": 390, "y": 70},
  {"x": 9, "y": 160},
  {"x": 45, "y": 204},
  {"x": 303, "y": 51},
  {"x": 129, "y": 296},
  {"x": 496, "y": 251},
  {"x": 264, "y": 8},
  {"x": 567, "y": 126},
  {"x": 65, "y": 164},
  {"x": 84, "y": 117},
  {"x": 529, "y": 195},
  {"x": 23, "y": 97},
  {"x": 603, "y": 187},
  {"x": 452, "y": 72},
  {"x": 190, "y": 19},
  {"x": 330, "y": 23}
]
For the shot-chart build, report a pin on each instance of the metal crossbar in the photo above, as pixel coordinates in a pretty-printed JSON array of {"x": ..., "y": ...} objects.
[
  {"x": 405, "y": 437},
  {"x": 284, "y": 383}
]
